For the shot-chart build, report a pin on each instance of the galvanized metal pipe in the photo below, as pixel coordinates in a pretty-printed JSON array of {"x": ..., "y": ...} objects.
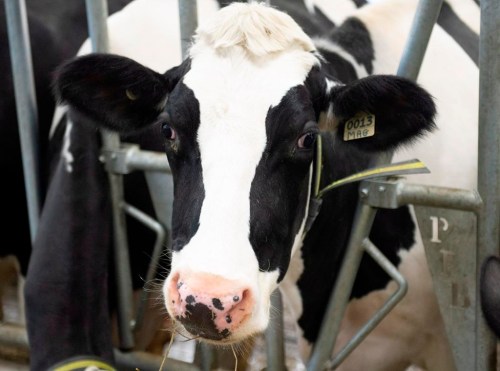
[
  {"x": 188, "y": 18},
  {"x": 423, "y": 22},
  {"x": 148, "y": 161},
  {"x": 394, "y": 299},
  {"x": 489, "y": 165},
  {"x": 158, "y": 248},
  {"x": 13, "y": 336},
  {"x": 26, "y": 106},
  {"x": 275, "y": 346},
  {"x": 97, "y": 13},
  {"x": 447, "y": 198},
  {"x": 334, "y": 313}
]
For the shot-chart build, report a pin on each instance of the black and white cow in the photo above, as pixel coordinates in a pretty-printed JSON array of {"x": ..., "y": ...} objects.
[{"x": 239, "y": 120}]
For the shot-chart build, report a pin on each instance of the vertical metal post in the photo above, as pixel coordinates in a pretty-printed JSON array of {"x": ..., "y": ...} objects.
[
  {"x": 488, "y": 166},
  {"x": 413, "y": 55},
  {"x": 275, "y": 345},
  {"x": 188, "y": 18},
  {"x": 97, "y": 13},
  {"x": 26, "y": 106},
  {"x": 425, "y": 17}
]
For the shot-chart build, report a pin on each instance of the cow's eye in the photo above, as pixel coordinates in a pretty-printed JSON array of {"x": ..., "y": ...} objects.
[
  {"x": 307, "y": 140},
  {"x": 168, "y": 132}
]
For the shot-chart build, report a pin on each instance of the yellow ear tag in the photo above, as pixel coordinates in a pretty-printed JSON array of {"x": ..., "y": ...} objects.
[{"x": 362, "y": 125}]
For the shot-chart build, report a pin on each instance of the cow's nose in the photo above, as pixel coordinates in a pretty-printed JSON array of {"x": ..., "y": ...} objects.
[{"x": 208, "y": 305}]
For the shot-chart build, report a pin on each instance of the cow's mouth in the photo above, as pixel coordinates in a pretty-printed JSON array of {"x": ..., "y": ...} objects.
[{"x": 199, "y": 321}]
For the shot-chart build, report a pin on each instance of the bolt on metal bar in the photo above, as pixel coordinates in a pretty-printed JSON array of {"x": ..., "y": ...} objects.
[
  {"x": 488, "y": 166},
  {"x": 423, "y": 22},
  {"x": 97, "y": 13},
  {"x": 275, "y": 347},
  {"x": 158, "y": 248},
  {"x": 390, "y": 303},
  {"x": 188, "y": 18},
  {"x": 26, "y": 106}
]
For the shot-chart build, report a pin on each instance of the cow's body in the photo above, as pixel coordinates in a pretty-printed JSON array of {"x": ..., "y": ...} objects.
[{"x": 413, "y": 333}]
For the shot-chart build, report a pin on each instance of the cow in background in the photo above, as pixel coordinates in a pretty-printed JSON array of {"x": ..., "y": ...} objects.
[{"x": 359, "y": 46}]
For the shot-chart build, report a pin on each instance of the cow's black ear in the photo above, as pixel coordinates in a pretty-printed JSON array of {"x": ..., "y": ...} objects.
[
  {"x": 382, "y": 112},
  {"x": 113, "y": 91},
  {"x": 490, "y": 292}
]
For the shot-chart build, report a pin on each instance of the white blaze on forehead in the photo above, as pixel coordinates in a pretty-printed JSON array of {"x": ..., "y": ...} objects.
[{"x": 236, "y": 84}]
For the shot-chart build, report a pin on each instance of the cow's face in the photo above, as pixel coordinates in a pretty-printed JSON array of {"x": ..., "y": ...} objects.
[
  {"x": 240, "y": 138},
  {"x": 239, "y": 127}
]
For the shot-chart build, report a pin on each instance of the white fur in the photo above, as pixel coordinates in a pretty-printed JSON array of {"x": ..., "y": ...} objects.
[
  {"x": 337, "y": 10},
  {"x": 66, "y": 153}
]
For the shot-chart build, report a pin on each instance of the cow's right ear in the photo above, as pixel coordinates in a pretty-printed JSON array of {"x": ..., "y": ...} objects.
[{"x": 115, "y": 92}]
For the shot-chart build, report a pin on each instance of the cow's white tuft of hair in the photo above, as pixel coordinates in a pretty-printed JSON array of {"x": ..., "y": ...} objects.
[{"x": 257, "y": 28}]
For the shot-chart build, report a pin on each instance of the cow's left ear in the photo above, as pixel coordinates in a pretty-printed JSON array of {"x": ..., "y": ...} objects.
[
  {"x": 381, "y": 112},
  {"x": 115, "y": 92}
]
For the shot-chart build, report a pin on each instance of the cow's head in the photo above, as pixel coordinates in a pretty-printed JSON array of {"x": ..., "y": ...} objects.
[{"x": 239, "y": 119}]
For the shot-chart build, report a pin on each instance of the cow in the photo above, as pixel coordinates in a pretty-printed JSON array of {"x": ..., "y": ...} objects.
[
  {"x": 239, "y": 120},
  {"x": 56, "y": 30}
]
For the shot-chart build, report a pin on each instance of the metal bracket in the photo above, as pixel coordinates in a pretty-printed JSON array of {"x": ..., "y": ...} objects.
[
  {"x": 391, "y": 194},
  {"x": 129, "y": 157}
]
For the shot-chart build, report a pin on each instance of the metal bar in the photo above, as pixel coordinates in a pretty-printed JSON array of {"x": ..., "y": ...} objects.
[
  {"x": 13, "y": 336},
  {"x": 330, "y": 326},
  {"x": 129, "y": 158},
  {"x": 188, "y": 18},
  {"x": 207, "y": 356},
  {"x": 26, "y": 106},
  {"x": 421, "y": 29},
  {"x": 488, "y": 165},
  {"x": 409, "y": 66},
  {"x": 97, "y": 12},
  {"x": 393, "y": 194},
  {"x": 447, "y": 198},
  {"x": 274, "y": 335},
  {"x": 148, "y": 362},
  {"x": 152, "y": 224},
  {"x": 395, "y": 298}
]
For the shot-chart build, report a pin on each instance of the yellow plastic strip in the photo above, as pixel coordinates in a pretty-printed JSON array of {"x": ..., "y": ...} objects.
[
  {"x": 400, "y": 168},
  {"x": 84, "y": 363}
]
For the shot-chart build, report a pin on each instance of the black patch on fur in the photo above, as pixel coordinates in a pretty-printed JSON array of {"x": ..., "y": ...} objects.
[
  {"x": 183, "y": 115},
  {"x": 199, "y": 322},
  {"x": 359, "y": 3},
  {"x": 279, "y": 189},
  {"x": 339, "y": 68},
  {"x": 490, "y": 292},
  {"x": 459, "y": 31},
  {"x": 354, "y": 38}
]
